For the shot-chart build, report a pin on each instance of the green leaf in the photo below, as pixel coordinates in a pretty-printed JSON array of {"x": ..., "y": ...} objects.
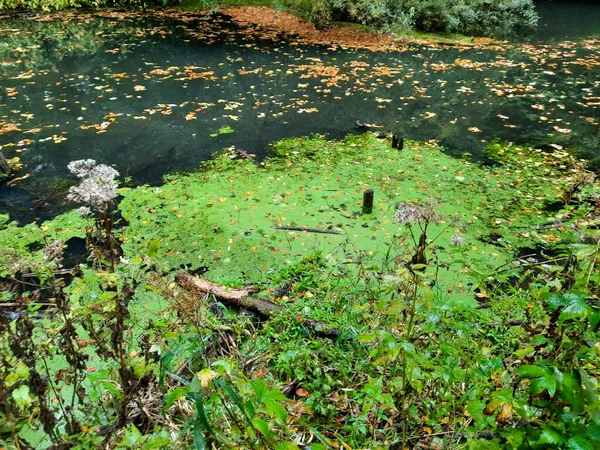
[
  {"x": 153, "y": 247},
  {"x": 21, "y": 396},
  {"x": 584, "y": 250},
  {"x": 108, "y": 295},
  {"x": 475, "y": 410},
  {"x": 196, "y": 385},
  {"x": 395, "y": 309},
  {"x": 158, "y": 441},
  {"x": 260, "y": 388},
  {"x": 593, "y": 432},
  {"x": 545, "y": 383},
  {"x": 531, "y": 372},
  {"x": 291, "y": 446},
  {"x": 570, "y": 391},
  {"x": 276, "y": 409},
  {"x": 550, "y": 436},
  {"x": 199, "y": 441},
  {"x": 261, "y": 426},
  {"x": 590, "y": 392},
  {"x": 131, "y": 437},
  {"x": 579, "y": 443},
  {"x": 276, "y": 394},
  {"x": 18, "y": 373},
  {"x": 321, "y": 438},
  {"x": 426, "y": 292},
  {"x": 197, "y": 398},
  {"x": 175, "y": 395},
  {"x": 233, "y": 395},
  {"x": 572, "y": 302},
  {"x": 501, "y": 397}
]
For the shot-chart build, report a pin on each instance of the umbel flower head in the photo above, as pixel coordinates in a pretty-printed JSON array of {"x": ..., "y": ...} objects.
[
  {"x": 53, "y": 252},
  {"x": 416, "y": 212},
  {"x": 456, "y": 240},
  {"x": 98, "y": 187}
]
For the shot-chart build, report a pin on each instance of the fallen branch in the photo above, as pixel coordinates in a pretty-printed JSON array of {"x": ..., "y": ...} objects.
[
  {"x": 247, "y": 155},
  {"x": 310, "y": 230},
  {"x": 241, "y": 298},
  {"x": 23, "y": 305}
]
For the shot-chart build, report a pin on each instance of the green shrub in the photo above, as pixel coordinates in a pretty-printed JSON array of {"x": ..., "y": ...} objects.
[{"x": 477, "y": 17}]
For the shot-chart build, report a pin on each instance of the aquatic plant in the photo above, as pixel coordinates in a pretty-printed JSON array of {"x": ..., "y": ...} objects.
[
  {"x": 98, "y": 192},
  {"x": 466, "y": 349}
]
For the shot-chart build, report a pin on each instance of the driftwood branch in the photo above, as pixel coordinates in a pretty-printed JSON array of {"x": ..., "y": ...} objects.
[
  {"x": 310, "y": 230},
  {"x": 247, "y": 155},
  {"x": 241, "y": 298}
]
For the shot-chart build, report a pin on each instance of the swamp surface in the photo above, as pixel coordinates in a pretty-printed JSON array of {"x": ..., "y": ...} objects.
[{"x": 160, "y": 94}]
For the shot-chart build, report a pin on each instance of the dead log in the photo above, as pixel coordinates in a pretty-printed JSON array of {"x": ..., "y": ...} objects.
[
  {"x": 4, "y": 167},
  {"x": 241, "y": 299}
]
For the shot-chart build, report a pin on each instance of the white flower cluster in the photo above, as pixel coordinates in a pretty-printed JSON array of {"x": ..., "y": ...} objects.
[
  {"x": 98, "y": 187},
  {"x": 416, "y": 212},
  {"x": 53, "y": 252},
  {"x": 456, "y": 240}
]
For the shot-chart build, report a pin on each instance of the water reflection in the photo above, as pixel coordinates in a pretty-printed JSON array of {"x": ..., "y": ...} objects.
[{"x": 147, "y": 95}]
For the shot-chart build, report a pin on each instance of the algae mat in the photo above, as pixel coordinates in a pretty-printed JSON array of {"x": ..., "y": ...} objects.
[{"x": 223, "y": 220}]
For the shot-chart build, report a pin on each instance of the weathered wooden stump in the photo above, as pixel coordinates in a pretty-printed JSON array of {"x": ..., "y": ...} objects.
[
  {"x": 368, "y": 197},
  {"x": 4, "y": 167},
  {"x": 397, "y": 142}
]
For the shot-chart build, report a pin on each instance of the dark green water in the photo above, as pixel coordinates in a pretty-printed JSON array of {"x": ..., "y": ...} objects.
[{"x": 146, "y": 95}]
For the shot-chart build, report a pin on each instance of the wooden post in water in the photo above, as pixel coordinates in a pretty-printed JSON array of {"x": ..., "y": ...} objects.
[
  {"x": 368, "y": 197},
  {"x": 4, "y": 167},
  {"x": 400, "y": 144},
  {"x": 397, "y": 142}
]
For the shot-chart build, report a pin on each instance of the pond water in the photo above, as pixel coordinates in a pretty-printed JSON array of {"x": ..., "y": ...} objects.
[{"x": 158, "y": 96}]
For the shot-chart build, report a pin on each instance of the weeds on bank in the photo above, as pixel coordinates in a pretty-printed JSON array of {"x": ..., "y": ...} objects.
[{"x": 119, "y": 356}]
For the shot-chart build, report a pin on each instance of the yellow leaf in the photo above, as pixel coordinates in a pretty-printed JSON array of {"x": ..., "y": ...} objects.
[
  {"x": 206, "y": 376},
  {"x": 222, "y": 199}
]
